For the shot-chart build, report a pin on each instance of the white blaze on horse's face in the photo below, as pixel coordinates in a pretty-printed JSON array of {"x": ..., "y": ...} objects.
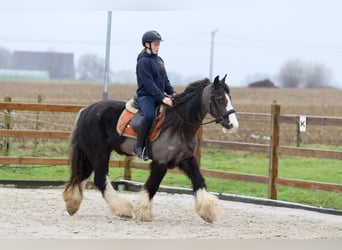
[{"x": 232, "y": 117}]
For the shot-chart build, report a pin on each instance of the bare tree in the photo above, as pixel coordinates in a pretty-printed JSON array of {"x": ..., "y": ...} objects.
[
  {"x": 90, "y": 67},
  {"x": 5, "y": 58},
  {"x": 317, "y": 76},
  {"x": 296, "y": 73},
  {"x": 291, "y": 74}
]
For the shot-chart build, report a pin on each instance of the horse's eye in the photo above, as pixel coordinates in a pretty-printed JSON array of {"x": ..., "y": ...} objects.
[{"x": 221, "y": 100}]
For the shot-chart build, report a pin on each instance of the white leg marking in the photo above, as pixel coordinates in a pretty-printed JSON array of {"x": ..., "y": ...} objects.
[
  {"x": 118, "y": 205},
  {"x": 206, "y": 205},
  {"x": 143, "y": 208}
]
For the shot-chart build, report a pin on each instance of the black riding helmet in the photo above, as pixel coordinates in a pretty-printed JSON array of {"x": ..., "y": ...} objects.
[{"x": 151, "y": 36}]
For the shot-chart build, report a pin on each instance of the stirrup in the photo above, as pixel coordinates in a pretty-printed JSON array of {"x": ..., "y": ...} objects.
[{"x": 141, "y": 155}]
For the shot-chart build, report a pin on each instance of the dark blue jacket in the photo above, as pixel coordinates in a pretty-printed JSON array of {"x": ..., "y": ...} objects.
[{"x": 152, "y": 78}]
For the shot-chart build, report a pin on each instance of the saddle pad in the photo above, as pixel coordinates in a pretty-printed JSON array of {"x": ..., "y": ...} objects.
[
  {"x": 130, "y": 107},
  {"x": 124, "y": 127}
]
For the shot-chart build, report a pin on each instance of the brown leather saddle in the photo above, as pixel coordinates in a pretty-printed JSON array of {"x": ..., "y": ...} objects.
[{"x": 125, "y": 127}]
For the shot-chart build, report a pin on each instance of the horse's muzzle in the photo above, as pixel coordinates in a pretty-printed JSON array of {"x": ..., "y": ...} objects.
[{"x": 230, "y": 122}]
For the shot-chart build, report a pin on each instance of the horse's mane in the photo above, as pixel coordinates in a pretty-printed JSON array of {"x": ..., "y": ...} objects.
[{"x": 186, "y": 112}]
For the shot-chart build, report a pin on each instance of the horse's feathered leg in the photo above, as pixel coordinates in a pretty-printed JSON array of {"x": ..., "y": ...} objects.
[
  {"x": 205, "y": 203},
  {"x": 118, "y": 205},
  {"x": 143, "y": 208}
]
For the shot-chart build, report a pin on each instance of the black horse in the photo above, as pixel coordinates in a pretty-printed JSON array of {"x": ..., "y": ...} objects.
[{"x": 95, "y": 137}]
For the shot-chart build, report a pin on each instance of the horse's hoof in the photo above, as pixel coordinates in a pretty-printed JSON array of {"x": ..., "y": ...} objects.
[
  {"x": 143, "y": 211},
  {"x": 207, "y": 219},
  {"x": 143, "y": 208},
  {"x": 143, "y": 216},
  {"x": 72, "y": 198},
  {"x": 125, "y": 210},
  {"x": 71, "y": 211},
  {"x": 206, "y": 205}
]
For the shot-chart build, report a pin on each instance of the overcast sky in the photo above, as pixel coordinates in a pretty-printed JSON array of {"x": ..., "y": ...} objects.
[{"x": 253, "y": 38}]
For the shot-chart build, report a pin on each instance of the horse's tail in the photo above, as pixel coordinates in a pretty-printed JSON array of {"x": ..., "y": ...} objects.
[
  {"x": 80, "y": 170},
  {"x": 79, "y": 164}
]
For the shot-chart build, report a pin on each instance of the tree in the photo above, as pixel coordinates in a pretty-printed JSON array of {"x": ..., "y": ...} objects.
[
  {"x": 90, "y": 67},
  {"x": 296, "y": 73},
  {"x": 317, "y": 76},
  {"x": 291, "y": 74},
  {"x": 5, "y": 58}
]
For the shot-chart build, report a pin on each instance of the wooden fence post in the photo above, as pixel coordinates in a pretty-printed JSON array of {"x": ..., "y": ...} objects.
[
  {"x": 273, "y": 155},
  {"x": 298, "y": 136},
  {"x": 128, "y": 170},
  {"x": 7, "y": 124},
  {"x": 36, "y": 140}
]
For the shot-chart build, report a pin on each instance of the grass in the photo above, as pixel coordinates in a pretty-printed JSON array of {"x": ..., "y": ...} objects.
[{"x": 320, "y": 170}]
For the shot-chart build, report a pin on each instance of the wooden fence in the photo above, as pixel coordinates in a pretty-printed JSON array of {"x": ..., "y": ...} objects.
[{"x": 274, "y": 119}]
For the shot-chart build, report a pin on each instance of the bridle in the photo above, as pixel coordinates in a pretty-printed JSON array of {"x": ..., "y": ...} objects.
[{"x": 218, "y": 119}]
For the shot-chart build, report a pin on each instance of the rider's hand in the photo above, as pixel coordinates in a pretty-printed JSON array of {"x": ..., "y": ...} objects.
[{"x": 167, "y": 101}]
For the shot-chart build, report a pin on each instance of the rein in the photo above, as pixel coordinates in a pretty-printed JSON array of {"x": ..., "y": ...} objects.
[{"x": 219, "y": 119}]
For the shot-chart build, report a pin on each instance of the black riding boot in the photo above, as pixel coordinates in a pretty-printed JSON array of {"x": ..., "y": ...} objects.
[{"x": 140, "y": 149}]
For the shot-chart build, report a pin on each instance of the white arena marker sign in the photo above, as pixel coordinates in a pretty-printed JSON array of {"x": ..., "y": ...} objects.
[{"x": 302, "y": 123}]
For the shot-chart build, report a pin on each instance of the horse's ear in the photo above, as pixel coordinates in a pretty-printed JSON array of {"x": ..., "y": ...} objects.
[
  {"x": 217, "y": 79},
  {"x": 224, "y": 78}
]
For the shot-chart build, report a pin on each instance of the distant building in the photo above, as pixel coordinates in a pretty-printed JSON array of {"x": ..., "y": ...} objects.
[
  {"x": 58, "y": 65},
  {"x": 262, "y": 84}
]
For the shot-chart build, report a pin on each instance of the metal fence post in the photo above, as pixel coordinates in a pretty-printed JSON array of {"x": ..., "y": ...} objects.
[{"x": 273, "y": 154}]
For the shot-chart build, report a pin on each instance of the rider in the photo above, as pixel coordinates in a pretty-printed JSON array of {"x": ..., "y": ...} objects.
[{"x": 153, "y": 83}]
